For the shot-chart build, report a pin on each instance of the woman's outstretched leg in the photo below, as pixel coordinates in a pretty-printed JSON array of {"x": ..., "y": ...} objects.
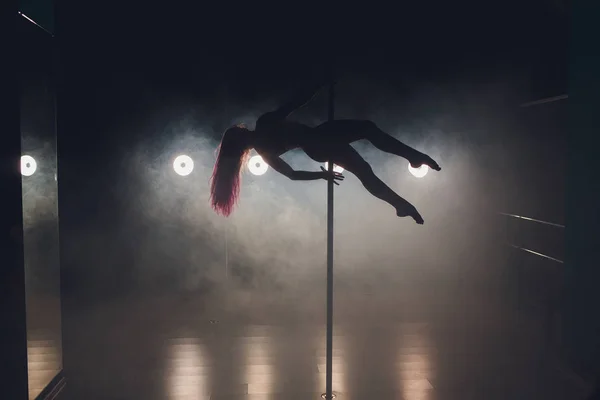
[
  {"x": 350, "y": 130},
  {"x": 349, "y": 159}
]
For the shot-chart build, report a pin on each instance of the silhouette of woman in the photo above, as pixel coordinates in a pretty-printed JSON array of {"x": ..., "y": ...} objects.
[{"x": 330, "y": 141}]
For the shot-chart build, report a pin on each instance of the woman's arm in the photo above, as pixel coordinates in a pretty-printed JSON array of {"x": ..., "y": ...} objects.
[{"x": 285, "y": 169}]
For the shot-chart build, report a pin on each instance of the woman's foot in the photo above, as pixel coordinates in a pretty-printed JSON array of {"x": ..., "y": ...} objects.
[
  {"x": 423, "y": 159},
  {"x": 410, "y": 211}
]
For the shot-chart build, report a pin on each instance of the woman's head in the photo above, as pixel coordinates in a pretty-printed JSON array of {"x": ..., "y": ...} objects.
[{"x": 232, "y": 154}]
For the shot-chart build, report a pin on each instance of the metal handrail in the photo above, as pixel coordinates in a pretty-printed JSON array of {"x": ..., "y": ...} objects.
[
  {"x": 546, "y": 100},
  {"x": 533, "y": 220},
  {"x": 537, "y": 253},
  {"x": 540, "y": 222},
  {"x": 551, "y": 305}
]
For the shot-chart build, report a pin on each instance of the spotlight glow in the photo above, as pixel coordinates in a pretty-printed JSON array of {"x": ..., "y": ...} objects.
[
  {"x": 336, "y": 168},
  {"x": 28, "y": 165},
  {"x": 183, "y": 165},
  {"x": 418, "y": 172},
  {"x": 257, "y": 165}
]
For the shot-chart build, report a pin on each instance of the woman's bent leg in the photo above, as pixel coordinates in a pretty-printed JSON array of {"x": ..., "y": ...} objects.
[
  {"x": 349, "y": 159},
  {"x": 350, "y": 130}
]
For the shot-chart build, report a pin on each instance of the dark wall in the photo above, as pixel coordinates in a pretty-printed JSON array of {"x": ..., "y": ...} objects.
[
  {"x": 536, "y": 177},
  {"x": 582, "y": 318},
  {"x": 535, "y": 185}
]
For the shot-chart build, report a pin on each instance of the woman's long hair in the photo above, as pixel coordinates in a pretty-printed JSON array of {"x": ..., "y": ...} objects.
[{"x": 225, "y": 183}]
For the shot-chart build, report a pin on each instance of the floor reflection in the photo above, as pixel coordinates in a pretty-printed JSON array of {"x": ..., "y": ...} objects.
[
  {"x": 44, "y": 363},
  {"x": 339, "y": 378},
  {"x": 258, "y": 359},
  {"x": 188, "y": 370},
  {"x": 44, "y": 342},
  {"x": 413, "y": 364},
  {"x": 167, "y": 348}
]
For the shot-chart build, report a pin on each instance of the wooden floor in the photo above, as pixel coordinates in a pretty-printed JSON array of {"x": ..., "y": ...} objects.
[
  {"x": 44, "y": 363},
  {"x": 242, "y": 345},
  {"x": 44, "y": 347}
]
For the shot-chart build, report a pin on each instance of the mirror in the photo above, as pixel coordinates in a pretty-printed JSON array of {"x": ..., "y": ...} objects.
[{"x": 40, "y": 206}]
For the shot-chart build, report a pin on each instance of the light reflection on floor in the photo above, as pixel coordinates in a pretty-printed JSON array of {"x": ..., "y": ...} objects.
[
  {"x": 44, "y": 363},
  {"x": 166, "y": 348},
  {"x": 188, "y": 370},
  {"x": 258, "y": 359},
  {"x": 339, "y": 378},
  {"x": 414, "y": 382}
]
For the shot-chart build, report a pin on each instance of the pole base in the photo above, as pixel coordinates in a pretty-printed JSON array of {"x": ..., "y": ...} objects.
[{"x": 324, "y": 396}]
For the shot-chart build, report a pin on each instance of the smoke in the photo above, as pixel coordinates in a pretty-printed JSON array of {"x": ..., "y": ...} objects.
[{"x": 164, "y": 236}]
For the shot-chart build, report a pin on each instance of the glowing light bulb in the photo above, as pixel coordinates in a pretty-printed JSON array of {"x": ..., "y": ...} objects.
[
  {"x": 336, "y": 168},
  {"x": 183, "y": 165},
  {"x": 257, "y": 165},
  {"x": 418, "y": 172},
  {"x": 28, "y": 165}
]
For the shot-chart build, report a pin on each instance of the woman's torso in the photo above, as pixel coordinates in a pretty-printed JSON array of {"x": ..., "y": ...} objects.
[{"x": 277, "y": 136}]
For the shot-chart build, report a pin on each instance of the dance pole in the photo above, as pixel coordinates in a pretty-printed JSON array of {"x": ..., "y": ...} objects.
[
  {"x": 226, "y": 252},
  {"x": 329, "y": 367}
]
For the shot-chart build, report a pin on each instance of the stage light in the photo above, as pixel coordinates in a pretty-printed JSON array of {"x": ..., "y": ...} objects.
[
  {"x": 28, "y": 165},
  {"x": 336, "y": 168},
  {"x": 418, "y": 172},
  {"x": 183, "y": 165},
  {"x": 257, "y": 165}
]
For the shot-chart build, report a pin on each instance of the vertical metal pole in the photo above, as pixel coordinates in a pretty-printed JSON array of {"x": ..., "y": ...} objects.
[
  {"x": 328, "y": 374},
  {"x": 226, "y": 253}
]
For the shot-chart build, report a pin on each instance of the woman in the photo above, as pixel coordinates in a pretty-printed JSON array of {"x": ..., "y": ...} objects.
[{"x": 330, "y": 141}]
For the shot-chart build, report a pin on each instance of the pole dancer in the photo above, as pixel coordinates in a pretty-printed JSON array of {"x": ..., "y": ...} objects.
[{"x": 275, "y": 135}]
